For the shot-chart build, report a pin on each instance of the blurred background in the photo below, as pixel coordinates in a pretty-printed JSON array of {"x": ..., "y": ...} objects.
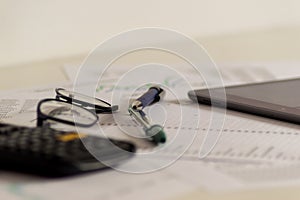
[{"x": 231, "y": 30}]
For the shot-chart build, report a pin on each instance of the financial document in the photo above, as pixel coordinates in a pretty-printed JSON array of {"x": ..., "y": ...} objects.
[{"x": 252, "y": 151}]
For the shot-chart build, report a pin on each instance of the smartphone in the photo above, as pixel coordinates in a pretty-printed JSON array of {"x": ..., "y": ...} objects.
[{"x": 274, "y": 99}]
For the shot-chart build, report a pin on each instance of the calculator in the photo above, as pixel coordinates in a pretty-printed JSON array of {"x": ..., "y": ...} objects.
[{"x": 47, "y": 152}]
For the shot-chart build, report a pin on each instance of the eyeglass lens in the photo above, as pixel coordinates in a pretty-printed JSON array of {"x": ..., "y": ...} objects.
[{"x": 67, "y": 112}]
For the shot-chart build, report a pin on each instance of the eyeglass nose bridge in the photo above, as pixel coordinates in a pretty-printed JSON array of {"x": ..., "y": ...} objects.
[{"x": 107, "y": 110}]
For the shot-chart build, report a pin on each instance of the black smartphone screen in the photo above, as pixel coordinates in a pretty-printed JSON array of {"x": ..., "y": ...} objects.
[
  {"x": 284, "y": 93},
  {"x": 275, "y": 99}
]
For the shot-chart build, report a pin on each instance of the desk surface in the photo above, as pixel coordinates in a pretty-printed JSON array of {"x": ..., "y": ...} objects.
[{"x": 280, "y": 44}]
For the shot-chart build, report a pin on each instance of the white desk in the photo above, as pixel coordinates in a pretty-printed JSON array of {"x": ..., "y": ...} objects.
[{"x": 270, "y": 45}]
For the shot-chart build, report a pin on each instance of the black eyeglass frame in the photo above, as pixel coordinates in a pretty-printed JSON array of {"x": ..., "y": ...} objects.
[
  {"x": 41, "y": 117},
  {"x": 96, "y": 108}
]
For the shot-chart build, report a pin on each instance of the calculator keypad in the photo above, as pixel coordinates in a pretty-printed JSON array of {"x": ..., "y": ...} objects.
[{"x": 44, "y": 145}]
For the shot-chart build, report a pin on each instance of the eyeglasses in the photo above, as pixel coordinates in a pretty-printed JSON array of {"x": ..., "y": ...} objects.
[{"x": 69, "y": 105}]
